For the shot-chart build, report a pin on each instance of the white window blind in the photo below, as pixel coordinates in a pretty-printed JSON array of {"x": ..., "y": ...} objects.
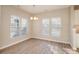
[
  {"x": 45, "y": 26},
  {"x": 18, "y": 26},
  {"x": 24, "y": 26},
  {"x": 14, "y": 26},
  {"x": 56, "y": 27}
]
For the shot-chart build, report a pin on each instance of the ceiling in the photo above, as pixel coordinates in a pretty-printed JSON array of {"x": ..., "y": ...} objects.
[{"x": 34, "y": 9}]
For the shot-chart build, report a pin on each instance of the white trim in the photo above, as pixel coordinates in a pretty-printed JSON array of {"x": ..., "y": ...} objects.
[
  {"x": 29, "y": 38},
  {"x": 52, "y": 40},
  {"x": 13, "y": 43}
]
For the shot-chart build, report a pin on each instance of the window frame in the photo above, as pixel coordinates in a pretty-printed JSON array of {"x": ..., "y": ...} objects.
[
  {"x": 50, "y": 27},
  {"x": 14, "y": 26},
  {"x": 45, "y": 34},
  {"x": 20, "y": 26},
  {"x": 60, "y": 28}
]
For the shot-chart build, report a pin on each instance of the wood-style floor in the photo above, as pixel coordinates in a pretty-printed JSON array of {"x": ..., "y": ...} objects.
[{"x": 37, "y": 46}]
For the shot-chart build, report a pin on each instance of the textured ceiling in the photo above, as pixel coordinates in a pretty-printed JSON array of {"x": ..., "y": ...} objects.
[{"x": 34, "y": 9}]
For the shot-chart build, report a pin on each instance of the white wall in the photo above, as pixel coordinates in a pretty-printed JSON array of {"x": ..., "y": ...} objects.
[
  {"x": 73, "y": 36},
  {"x": 74, "y": 23},
  {"x": 7, "y": 11},
  {"x": 0, "y": 27},
  {"x": 65, "y": 16},
  {"x": 71, "y": 25}
]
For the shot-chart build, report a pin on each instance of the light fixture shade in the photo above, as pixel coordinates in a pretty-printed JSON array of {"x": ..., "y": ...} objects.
[
  {"x": 31, "y": 18},
  {"x": 34, "y": 18}
]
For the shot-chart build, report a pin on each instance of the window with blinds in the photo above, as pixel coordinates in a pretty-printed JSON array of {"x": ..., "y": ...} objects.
[
  {"x": 45, "y": 27},
  {"x": 18, "y": 26},
  {"x": 52, "y": 27},
  {"x": 56, "y": 27},
  {"x": 14, "y": 26},
  {"x": 24, "y": 26}
]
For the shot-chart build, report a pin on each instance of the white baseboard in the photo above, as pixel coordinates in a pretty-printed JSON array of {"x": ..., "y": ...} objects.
[
  {"x": 14, "y": 43},
  {"x": 53, "y": 40},
  {"x": 29, "y": 38}
]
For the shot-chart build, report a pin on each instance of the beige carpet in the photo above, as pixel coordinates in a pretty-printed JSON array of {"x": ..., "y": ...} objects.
[{"x": 37, "y": 46}]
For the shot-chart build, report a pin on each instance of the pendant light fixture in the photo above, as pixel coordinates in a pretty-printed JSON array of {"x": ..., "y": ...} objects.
[{"x": 34, "y": 17}]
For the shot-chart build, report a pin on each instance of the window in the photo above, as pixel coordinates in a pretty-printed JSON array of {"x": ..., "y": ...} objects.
[
  {"x": 45, "y": 26},
  {"x": 52, "y": 27},
  {"x": 56, "y": 27},
  {"x": 14, "y": 26},
  {"x": 24, "y": 26},
  {"x": 18, "y": 27}
]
